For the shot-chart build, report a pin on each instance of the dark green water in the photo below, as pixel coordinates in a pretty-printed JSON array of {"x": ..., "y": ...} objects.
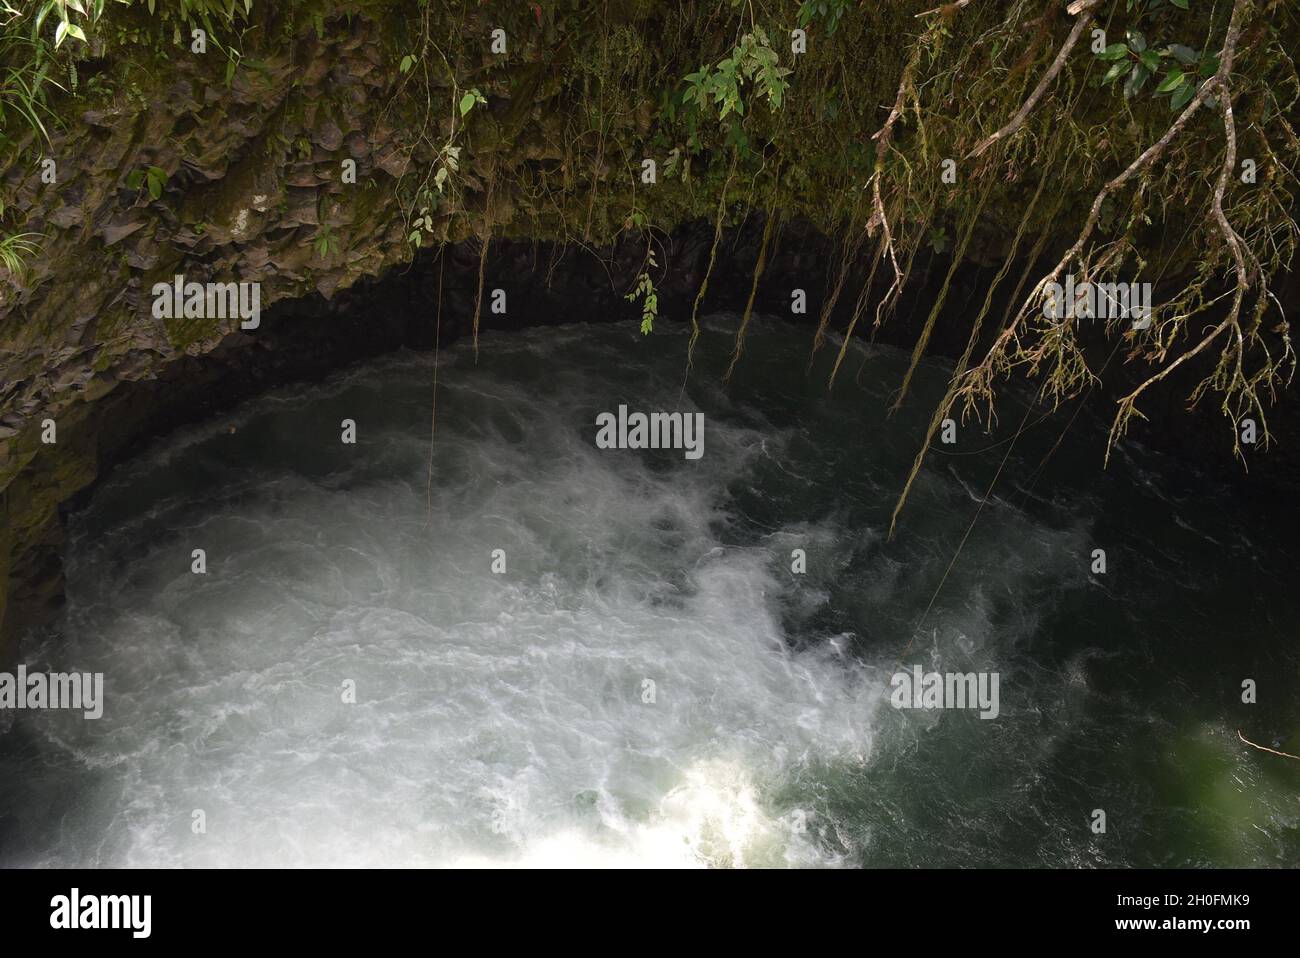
[{"x": 503, "y": 718}]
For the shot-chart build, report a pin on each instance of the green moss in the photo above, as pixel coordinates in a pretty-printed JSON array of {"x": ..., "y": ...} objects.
[{"x": 182, "y": 333}]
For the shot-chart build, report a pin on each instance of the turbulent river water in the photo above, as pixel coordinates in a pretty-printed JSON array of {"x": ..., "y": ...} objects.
[{"x": 648, "y": 682}]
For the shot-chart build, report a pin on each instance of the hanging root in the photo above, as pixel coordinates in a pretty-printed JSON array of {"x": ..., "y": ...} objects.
[
  {"x": 886, "y": 308},
  {"x": 753, "y": 291},
  {"x": 941, "y": 411},
  {"x": 848, "y": 253},
  {"x": 858, "y": 307},
  {"x": 713, "y": 256},
  {"x": 1083, "y": 9},
  {"x": 1007, "y": 348},
  {"x": 924, "y": 340},
  {"x": 478, "y": 297},
  {"x": 482, "y": 260},
  {"x": 879, "y": 218},
  {"x": 1229, "y": 377}
]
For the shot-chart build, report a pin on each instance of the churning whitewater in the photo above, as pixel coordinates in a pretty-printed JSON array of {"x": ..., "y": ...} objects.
[{"x": 514, "y": 646}]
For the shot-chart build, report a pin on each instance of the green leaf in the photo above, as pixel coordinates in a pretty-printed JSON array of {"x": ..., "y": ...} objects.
[
  {"x": 1151, "y": 60},
  {"x": 1209, "y": 66},
  {"x": 1180, "y": 4},
  {"x": 1114, "y": 52},
  {"x": 1181, "y": 98},
  {"x": 466, "y": 103},
  {"x": 1136, "y": 41},
  {"x": 408, "y": 61},
  {"x": 135, "y": 179},
  {"x": 1137, "y": 79},
  {"x": 1172, "y": 82},
  {"x": 1184, "y": 54},
  {"x": 75, "y": 31},
  {"x": 155, "y": 188},
  {"x": 1115, "y": 72}
]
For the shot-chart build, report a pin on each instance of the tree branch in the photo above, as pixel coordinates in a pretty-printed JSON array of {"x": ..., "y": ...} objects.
[
  {"x": 1264, "y": 749},
  {"x": 1244, "y": 276},
  {"x": 948, "y": 9},
  {"x": 1084, "y": 9}
]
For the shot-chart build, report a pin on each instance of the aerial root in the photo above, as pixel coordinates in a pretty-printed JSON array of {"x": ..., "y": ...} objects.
[
  {"x": 753, "y": 289},
  {"x": 1083, "y": 10},
  {"x": 958, "y": 256},
  {"x": 704, "y": 285},
  {"x": 941, "y": 411}
]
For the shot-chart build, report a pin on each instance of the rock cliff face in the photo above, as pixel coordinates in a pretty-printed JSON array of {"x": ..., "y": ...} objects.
[
  {"x": 305, "y": 164},
  {"x": 238, "y": 204}
]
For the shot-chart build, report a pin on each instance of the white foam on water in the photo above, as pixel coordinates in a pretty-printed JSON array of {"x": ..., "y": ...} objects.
[
  {"x": 505, "y": 720},
  {"x": 499, "y": 720}
]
